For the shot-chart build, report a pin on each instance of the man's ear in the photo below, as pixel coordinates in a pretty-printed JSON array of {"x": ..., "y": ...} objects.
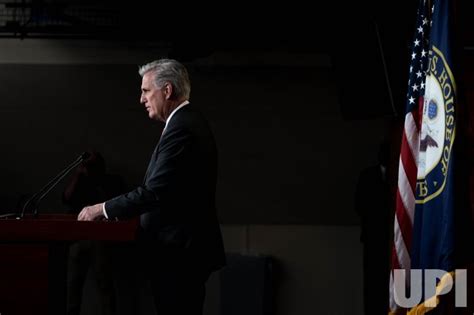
[{"x": 168, "y": 90}]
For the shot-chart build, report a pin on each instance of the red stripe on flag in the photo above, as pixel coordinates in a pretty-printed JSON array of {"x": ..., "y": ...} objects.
[
  {"x": 395, "y": 262},
  {"x": 404, "y": 222},
  {"x": 418, "y": 113},
  {"x": 409, "y": 163}
]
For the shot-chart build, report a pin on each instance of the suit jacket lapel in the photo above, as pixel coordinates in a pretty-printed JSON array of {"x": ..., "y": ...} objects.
[
  {"x": 149, "y": 164},
  {"x": 155, "y": 153},
  {"x": 152, "y": 160}
]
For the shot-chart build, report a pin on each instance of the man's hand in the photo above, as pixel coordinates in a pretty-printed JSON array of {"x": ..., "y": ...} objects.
[{"x": 91, "y": 213}]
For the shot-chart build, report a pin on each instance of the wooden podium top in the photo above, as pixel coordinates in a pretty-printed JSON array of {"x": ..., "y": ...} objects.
[{"x": 65, "y": 227}]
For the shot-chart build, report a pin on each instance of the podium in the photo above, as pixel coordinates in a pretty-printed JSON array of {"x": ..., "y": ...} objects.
[{"x": 33, "y": 259}]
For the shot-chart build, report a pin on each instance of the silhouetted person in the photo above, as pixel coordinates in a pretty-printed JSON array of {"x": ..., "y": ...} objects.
[
  {"x": 372, "y": 203},
  {"x": 88, "y": 185},
  {"x": 91, "y": 184}
]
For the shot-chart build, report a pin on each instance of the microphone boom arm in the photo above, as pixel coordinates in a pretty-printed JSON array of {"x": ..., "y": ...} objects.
[{"x": 37, "y": 197}]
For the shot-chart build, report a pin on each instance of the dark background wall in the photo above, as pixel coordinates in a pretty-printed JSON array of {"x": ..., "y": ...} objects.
[
  {"x": 299, "y": 103},
  {"x": 299, "y": 100},
  {"x": 286, "y": 155}
]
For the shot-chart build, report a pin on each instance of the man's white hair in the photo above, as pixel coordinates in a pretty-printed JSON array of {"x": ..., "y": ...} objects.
[{"x": 169, "y": 71}]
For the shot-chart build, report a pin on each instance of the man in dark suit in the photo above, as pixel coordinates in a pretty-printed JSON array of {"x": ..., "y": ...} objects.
[{"x": 180, "y": 238}]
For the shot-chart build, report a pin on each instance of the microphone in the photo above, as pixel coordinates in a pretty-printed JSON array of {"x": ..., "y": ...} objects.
[{"x": 34, "y": 200}]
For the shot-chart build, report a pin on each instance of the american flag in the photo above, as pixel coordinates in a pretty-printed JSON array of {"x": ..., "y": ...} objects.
[{"x": 407, "y": 171}]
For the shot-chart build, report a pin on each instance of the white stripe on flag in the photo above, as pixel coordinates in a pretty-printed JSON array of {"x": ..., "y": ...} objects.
[
  {"x": 400, "y": 247},
  {"x": 406, "y": 194},
  {"x": 413, "y": 137}
]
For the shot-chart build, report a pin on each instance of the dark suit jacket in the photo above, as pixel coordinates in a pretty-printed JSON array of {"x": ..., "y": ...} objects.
[{"x": 176, "y": 203}]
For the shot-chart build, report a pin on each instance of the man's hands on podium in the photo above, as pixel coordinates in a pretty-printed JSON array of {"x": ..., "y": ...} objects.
[{"x": 91, "y": 213}]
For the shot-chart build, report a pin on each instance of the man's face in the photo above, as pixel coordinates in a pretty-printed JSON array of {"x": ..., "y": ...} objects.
[{"x": 152, "y": 97}]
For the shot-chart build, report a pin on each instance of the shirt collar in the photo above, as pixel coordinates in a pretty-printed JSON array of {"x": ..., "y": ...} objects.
[{"x": 175, "y": 110}]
